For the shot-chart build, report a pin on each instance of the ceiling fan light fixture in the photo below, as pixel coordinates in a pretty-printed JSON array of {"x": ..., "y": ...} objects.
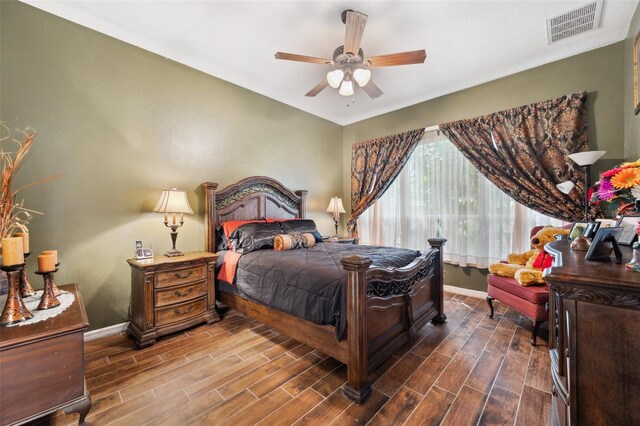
[
  {"x": 362, "y": 76},
  {"x": 346, "y": 89},
  {"x": 334, "y": 78}
]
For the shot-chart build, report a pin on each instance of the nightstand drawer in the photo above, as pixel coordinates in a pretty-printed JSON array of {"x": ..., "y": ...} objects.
[
  {"x": 180, "y": 312},
  {"x": 180, "y": 276},
  {"x": 167, "y": 296}
]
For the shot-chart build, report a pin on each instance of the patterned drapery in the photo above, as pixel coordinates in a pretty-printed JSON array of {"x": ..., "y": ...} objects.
[
  {"x": 374, "y": 166},
  {"x": 524, "y": 151}
]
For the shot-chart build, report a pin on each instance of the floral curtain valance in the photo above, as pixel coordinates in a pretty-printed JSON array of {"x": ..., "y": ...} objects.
[
  {"x": 524, "y": 151},
  {"x": 374, "y": 166}
]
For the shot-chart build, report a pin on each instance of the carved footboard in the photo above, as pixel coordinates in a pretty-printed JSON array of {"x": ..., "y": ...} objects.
[{"x": 385, "y": 308}]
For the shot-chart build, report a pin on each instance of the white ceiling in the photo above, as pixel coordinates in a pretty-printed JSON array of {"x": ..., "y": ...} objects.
[{"x": 467, "y": 42}]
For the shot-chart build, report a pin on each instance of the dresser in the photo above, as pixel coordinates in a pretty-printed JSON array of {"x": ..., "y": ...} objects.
[
  {"x": 594, "y": 341},
  {"x": 169, "y": 294},
  {"x": 42, "y": 366}
]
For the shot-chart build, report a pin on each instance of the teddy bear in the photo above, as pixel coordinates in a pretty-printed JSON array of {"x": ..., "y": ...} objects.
[{"x": 527, "y": 267}]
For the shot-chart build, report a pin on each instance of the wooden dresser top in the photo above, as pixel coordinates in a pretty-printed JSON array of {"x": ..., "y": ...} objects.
[
  {"x": 73, "y": 319},
  {"x": 571, "y": 266}
]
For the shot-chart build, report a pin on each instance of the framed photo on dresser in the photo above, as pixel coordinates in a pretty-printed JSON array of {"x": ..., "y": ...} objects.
[{"x": 628, "y": 234}]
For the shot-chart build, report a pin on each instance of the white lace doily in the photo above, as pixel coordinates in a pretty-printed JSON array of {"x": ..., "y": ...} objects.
[{"x": 65, "y": 298}]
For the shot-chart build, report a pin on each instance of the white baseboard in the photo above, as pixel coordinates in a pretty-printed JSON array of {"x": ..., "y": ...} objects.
[
  {"x": 466, "y": 291},
  {"x": 106, "y": 331}
]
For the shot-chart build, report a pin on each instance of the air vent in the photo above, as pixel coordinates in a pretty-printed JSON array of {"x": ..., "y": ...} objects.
[{"x": 574, "y": 22}]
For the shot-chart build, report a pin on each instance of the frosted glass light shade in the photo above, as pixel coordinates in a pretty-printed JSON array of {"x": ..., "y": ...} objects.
[
  {"x": 173, "y": 200},
  {"x": 335, "y": 206},
  {"x": 565, "y": 187},
  {"x": 362, "y": 76},
  {"x": 346, "y": 89},
  {"x": 586, "y": 158},
  {"x": 334, "y": 78}
]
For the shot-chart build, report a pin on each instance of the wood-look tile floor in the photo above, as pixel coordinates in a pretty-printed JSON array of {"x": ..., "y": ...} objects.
[{"x": 472, "y": 370}]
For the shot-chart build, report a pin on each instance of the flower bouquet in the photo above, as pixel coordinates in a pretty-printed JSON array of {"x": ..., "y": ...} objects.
[{"x": 620, "y": 188}]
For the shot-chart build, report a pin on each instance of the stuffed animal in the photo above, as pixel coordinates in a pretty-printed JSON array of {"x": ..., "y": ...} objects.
[{"x": 527, "y": 267}]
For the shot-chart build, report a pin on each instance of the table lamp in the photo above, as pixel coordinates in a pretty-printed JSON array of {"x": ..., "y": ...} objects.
[
  {"x": 336, "y": 207},
  {"x": 173, "y": 201},
  {"x": 585, "y": 160}
]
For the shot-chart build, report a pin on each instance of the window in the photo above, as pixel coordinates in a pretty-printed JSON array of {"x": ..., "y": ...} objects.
[{"x": 440, "y": 193}]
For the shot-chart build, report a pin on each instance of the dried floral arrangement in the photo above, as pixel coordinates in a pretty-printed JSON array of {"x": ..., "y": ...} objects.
[{"x": 13, "y": 215}]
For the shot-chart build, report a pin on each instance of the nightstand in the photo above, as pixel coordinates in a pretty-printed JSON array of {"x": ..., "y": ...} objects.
[
  {"x": 341, "y": 239},
  {"x": 169, "y": 294}
]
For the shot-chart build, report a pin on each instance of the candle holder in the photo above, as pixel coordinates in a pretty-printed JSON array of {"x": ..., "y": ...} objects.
[
  {"x": 14, "y": 310},
  {"x": 56, "y": 291},
  {"x": 48, "y": 299},
  {"x": 25, "y": 286}
]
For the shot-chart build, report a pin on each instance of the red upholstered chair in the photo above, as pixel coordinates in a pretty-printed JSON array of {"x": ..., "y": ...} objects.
[{"x": 530, "y": 300}]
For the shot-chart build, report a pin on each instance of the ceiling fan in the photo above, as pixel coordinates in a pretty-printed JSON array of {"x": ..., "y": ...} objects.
[{"x": 349, "y": 63}]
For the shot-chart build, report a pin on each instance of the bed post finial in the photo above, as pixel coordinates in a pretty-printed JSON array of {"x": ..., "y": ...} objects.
[
  {"x": 438, "y": 243},
  {"x": 209, "y": 215},
  {"x": 357, "y": 387}
]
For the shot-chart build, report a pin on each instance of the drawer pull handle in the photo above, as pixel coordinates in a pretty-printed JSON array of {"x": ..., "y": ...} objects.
[
  {"x": 179, "y": 312},
  {"x": 182, "y": 294},
  {"x": 183, "y": 276}
]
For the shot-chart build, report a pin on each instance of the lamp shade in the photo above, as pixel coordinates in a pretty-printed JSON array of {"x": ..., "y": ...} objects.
[
  {"x": 334, "y": 78},
  {"x": 173, "y": 200},
  {"x": 346, "y": 89},
  {"x": 362, "y": 76},
  {"x": 566, "y": 186},
  {"x": 335, "y": 206},
  {"x": 586, "y": 158}
]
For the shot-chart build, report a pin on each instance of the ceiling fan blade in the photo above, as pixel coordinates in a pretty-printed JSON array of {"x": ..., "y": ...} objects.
[
  {"x": 355, "y": 23},
  {"x": 319, "y": 88},
  {"x": 372, "y": 90},
  {"x": 403, "y": 58},
  {"x": 302, "y": 58}
]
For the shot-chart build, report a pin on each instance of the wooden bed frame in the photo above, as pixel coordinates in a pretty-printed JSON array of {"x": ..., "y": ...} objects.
[{"x": 385, "y": 307}]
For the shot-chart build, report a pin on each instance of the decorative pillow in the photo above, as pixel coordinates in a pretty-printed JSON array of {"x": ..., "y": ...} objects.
[
  {"x": 293, "y": 241},
  {"x": 254, "y": 236},
  {"x": 221, "y": 239},
  {"x": 230, "y": 226},
  {"x": 301, "y": 226}
]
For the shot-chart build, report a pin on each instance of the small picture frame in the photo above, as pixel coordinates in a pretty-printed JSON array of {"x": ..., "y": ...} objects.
[
  {"x": 628, "y": 224},
  {"x": 607, "y": 223},
  {"x": 591, "y": 230},
  {"x": 580, "y": 229},
  {"x": 604, "y": 242}
]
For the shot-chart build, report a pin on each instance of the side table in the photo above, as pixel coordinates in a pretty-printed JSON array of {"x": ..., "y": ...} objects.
[
  {"x": 169, "y": 294},
  {"x": 42, "y": 366}
]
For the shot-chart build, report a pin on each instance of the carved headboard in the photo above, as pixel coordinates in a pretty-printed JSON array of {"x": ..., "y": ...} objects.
[{"x": 252, "y": 198}]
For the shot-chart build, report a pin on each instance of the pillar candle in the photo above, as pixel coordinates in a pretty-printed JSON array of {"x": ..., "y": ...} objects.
[
  {"x": 46, "y": 263},
  {"x": 12, "y": 252},
  {"x": 52, "y": 252},
  {"x": 25, "y": 240}
]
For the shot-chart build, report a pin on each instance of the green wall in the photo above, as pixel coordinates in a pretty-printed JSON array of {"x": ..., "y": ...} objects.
[
  {"x": 632, "y": 121},
  {"x": 599, "y": 72},
  {"x": 121, "y": 124}
]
